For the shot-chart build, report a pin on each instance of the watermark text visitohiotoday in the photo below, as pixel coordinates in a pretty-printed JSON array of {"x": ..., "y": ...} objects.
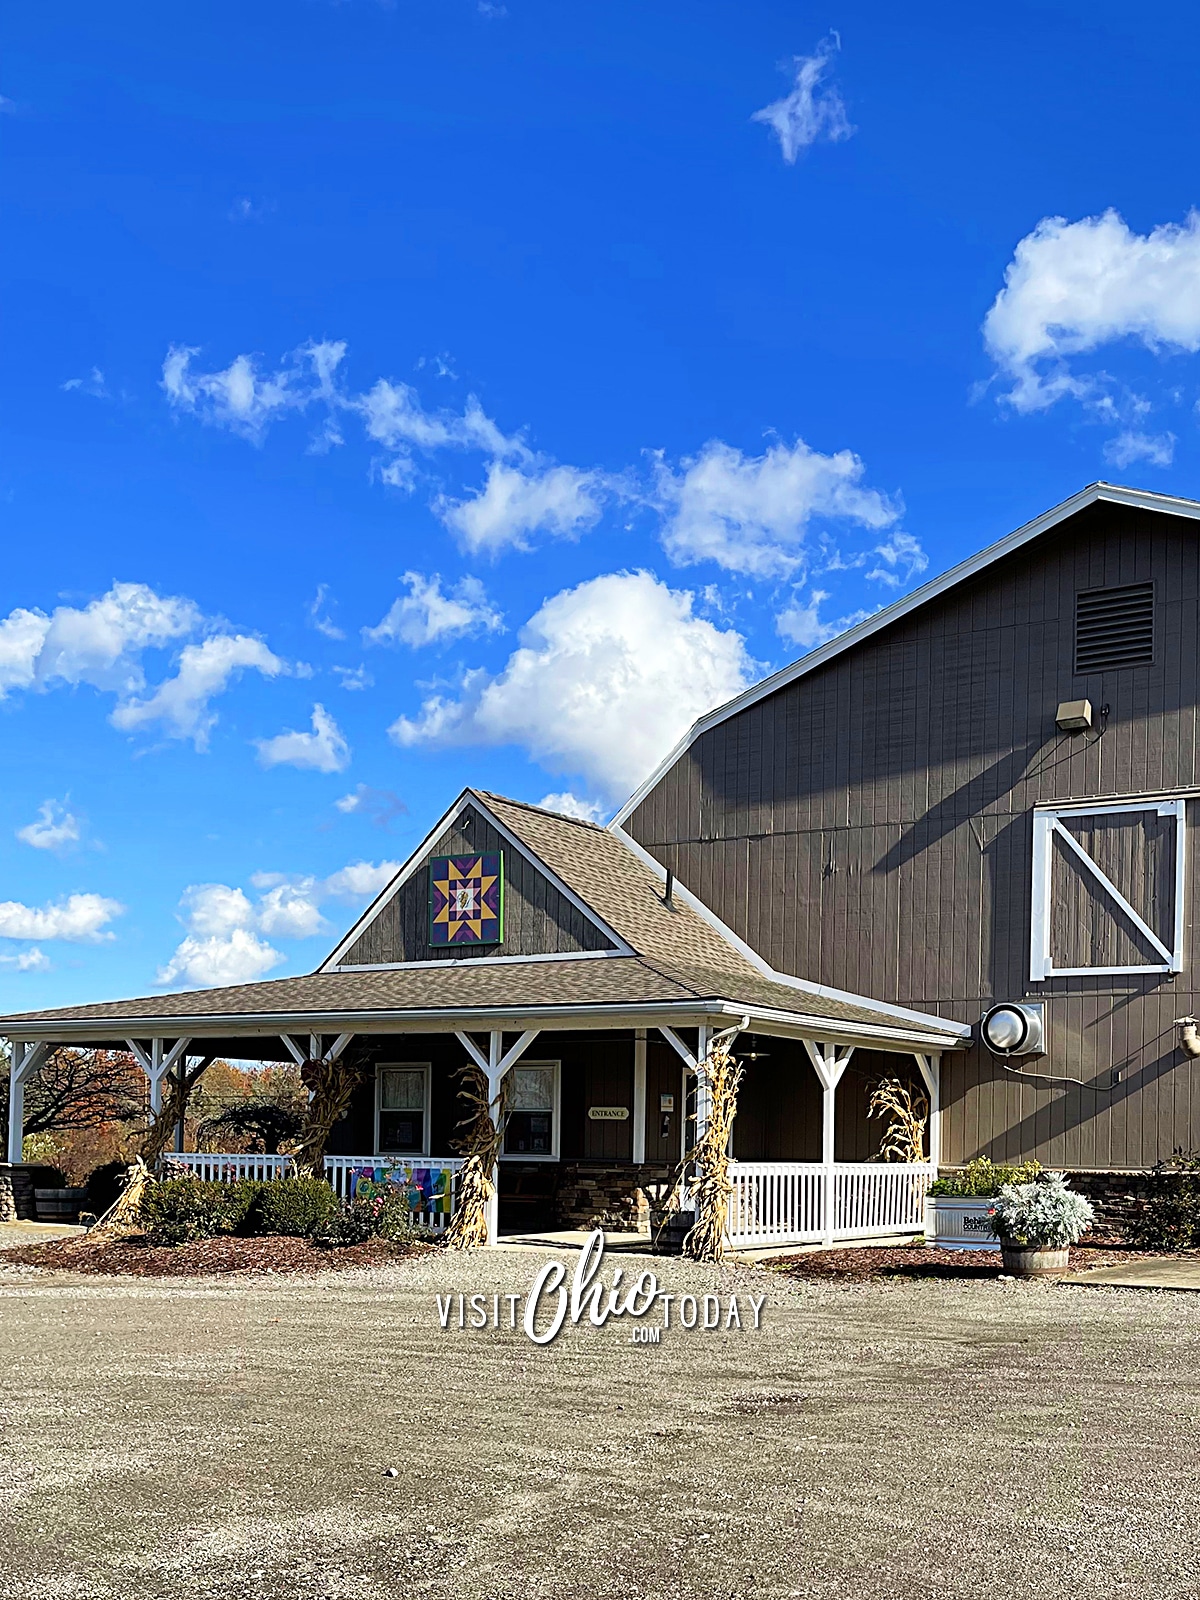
[{"x": 550, "y": 1305}]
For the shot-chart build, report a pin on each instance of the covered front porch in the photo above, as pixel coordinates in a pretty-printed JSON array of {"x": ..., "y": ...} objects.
[{"x": 603, "y": 1109}]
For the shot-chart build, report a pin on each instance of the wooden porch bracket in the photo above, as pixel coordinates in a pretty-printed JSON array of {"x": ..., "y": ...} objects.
[
  {"x": 26, "y": 1059},
  {"x": 494, "y": 1066},
  {"x": 829, "y": 1066},
  {"x": 930, "y": 1067},
  {"x": 157, "y": 1064}
]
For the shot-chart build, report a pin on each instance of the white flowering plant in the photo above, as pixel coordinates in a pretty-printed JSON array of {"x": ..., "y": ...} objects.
[{"x": 1045, "y": 1215}]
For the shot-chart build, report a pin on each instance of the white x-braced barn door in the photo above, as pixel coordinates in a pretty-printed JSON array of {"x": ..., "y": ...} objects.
[{"x": 1107, "y": 889}]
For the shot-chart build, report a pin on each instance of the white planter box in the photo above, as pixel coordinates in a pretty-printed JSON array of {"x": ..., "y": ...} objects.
[{"x": 958, "y": 1222}]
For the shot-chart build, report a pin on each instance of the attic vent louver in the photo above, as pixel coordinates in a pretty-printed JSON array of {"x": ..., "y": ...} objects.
[{"x": 1114, "y": 628}]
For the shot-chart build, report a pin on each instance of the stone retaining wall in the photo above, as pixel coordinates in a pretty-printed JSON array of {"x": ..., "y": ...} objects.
[
  {"x": 16, "y": 1194},
  {"x": 1120, "y": 1197},
  {"x": 601, "y": 1195}
]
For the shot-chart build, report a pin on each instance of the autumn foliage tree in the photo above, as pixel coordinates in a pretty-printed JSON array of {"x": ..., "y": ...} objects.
[{"x": 78, "y": 1089}]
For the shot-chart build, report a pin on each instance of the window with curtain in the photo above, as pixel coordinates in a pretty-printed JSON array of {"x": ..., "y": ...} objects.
[
  {"x": 531, "y": 1125},
  {"x": 403, "y": 1108}
]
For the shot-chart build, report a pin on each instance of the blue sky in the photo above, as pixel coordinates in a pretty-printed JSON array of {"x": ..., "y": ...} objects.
[{"x": 401, "y": 396}]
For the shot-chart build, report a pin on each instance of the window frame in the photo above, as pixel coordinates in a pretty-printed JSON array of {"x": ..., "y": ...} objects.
[
  {"x": 556, "y": 1114},
  {"x": 1046, "y": 824},
  {"x": 425, "y": 1068}
]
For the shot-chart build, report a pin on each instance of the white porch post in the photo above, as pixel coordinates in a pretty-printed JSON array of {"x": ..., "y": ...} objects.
[
  {"x": 639, "y": 1097},
  {"x": 26, "y": 1058},
  {"x": 494, "y": 1067},
  {"x": 931, "y": 1071},
  {"x": 829, "y": 1067},
  {"x": 495, "y": 1051},
  {"x": 703, "y": 1087}
]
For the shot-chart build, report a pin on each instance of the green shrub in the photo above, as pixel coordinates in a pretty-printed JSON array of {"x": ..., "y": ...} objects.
[
  {"x": 241, "y": 1205},
  {"x": 983, "y": 1180},
  {"x": 1171, "y": 1221},
  {"x": 295, "y": 1206},
  {"x": 180, "y": 1209}
]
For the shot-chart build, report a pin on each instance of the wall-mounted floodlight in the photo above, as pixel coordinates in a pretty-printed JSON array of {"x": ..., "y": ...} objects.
[
  {"x": 1014, "y": 1030},
  {"x": 1074, "y": 716}
]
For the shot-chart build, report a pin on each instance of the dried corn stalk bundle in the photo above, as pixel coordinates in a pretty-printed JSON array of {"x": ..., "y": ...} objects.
[
  {"x": 711, "y": 1188},
  {"x": 908, "y": 1108},
  {"x": 122, "y": 1216},
  {"x": 481, "y": 1145},
  {"x": 331, "y": 1085}
]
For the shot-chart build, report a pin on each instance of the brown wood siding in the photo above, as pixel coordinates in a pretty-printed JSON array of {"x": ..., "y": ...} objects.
[
  {"x": 597, "y": 1069},
  {"x": 870, "y": 826},
  {"x": 538, "y": 918}
]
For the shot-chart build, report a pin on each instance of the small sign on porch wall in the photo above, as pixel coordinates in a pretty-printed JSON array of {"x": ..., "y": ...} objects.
[{"x": 608, "y": 1113}]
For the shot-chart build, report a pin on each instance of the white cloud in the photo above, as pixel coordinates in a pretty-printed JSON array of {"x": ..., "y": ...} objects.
[
  {"x": 607, "y": 678},
  {"x": 56, "y": 828},
  {"x": 426, "y": 614},
  {"x": 288, "y": 911},
  {"x": 237, "y": 957},
  {"x": 213, "y": 910},
  {"x": 1156, "y": 448},
  {"x": 903, "y": 560},
  {"x": 93, "y": 385},
  {"x": 228, "y": 934},
  {"x": 79, "y": 919},
  {"x": 751, "y": 513},
  {"x": 97, "y": 644},
  {"x": 394, "y": 417},
  {"x": 801, "y": 623},
  {"x": 354, "y": 679},
  {"x": 515, "y": 503},
  {"x": 31, "y": 960},
  {"x": 102, "y": 645},
  {"x": 572, "y": 806},
  {"x": 523, "y": 493},
  {"x": 361, "y": 880},
  {"x": 319, "y": 621},
  {"x": 381, "y": 806},
  {"x": 242, "y": 399},
  {"x": 323, "y": 750},
  {"x": 181, "y": 704},
  {"x": 1074, "y": 286},
  {"x": 808, "y": 114}
]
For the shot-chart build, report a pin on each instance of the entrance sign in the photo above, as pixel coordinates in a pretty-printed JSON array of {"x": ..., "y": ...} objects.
[
  {"x": 608, "y": 1113},
  {"x": 466, "y": 899}
]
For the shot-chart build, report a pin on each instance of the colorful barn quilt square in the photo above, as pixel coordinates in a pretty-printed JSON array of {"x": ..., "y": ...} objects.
[{"x": 466, "y": 899}]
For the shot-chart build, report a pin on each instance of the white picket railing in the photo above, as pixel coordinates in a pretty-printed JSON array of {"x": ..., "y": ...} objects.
[
  {"x": 783, "y": 1202},
  {"x": 435, "y": 1177},
  {"x": 226, "y": 1166},
  {"x": 432, "y": 1180},
  {"x": 775, "y": 1202},
  {"x": 874, "y": 1198}
]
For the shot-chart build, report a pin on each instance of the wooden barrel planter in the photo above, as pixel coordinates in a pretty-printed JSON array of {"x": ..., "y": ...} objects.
[
  {"x": 1035, "y": 1261},
  {"x": 669, "y": 1229},
  {"x": 59, "y": 1205}
]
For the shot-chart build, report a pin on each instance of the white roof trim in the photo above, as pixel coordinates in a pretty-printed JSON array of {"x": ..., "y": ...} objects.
[
  {"x": 804, "y": 985},
  {"x": 622, "y": 1013},
  {"x": 469, "y": 797},
  {"x": 1141, "y": 499}
]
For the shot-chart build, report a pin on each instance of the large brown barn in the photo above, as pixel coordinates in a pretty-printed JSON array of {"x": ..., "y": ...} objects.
[{"x": 976, "y": 802}]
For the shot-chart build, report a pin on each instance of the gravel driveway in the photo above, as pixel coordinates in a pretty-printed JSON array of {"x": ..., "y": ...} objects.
[{"x": 231, "y": 1438}]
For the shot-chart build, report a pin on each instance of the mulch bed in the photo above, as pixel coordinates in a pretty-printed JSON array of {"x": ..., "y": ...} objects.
[
  {"x": 918, "y": 1261},
  {"x": 134, "y": 1257}
]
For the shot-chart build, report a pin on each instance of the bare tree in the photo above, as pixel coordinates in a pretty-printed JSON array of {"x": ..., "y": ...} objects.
[{"x": 79, "y": 1089}]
